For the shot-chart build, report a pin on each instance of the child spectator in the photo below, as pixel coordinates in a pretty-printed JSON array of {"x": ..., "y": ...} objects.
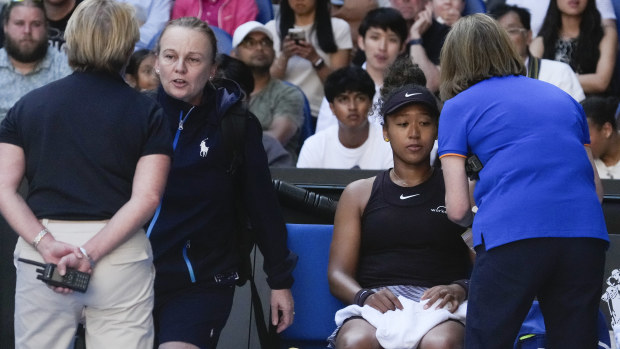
[{"x": 139, "y": 73}]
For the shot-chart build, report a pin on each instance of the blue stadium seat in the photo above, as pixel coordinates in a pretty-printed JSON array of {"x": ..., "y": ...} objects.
[
  {"x": 265, "y": 11},
  {"x": 314, "y": 305},
  {"x": 224, "y": 40}
]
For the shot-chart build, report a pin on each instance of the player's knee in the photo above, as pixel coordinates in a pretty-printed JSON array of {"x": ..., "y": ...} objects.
[
  {"x": 356, "y": 339},
  {"x": 436, "y": 341}
]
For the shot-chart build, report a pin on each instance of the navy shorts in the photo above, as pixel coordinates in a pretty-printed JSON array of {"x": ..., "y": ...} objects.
[{"x": 193, "y": 315}]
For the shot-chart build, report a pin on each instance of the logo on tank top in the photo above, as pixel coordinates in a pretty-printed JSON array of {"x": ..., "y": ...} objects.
[
  {"x": 439, "y": 209},
  {"x": 203, "y": 148},
  {"x": 403, "y": 197}
]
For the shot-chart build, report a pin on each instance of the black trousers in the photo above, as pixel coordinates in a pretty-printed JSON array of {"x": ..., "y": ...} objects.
[{"x": 566, "y": 274}]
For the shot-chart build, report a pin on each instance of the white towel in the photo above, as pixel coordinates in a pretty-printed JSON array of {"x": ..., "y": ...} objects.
[{"x": 402, "y": 329}]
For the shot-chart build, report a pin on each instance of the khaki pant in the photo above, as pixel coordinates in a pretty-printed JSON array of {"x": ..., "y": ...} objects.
[{"x": 116, "y": 308}]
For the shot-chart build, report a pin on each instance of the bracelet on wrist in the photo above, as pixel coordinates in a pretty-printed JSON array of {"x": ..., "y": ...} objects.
[
  {"x": 37, "y": 239},
  {"x": 83, "y": 251},
  {"x": 414, "y": 42},
  {"x": 464, "y": 283},
  {"x": 361, "y": 296},
  {"x": 318, "y": 63}
]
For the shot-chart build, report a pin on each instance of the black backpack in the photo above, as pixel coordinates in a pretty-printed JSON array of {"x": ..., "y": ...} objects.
[{"x": 233, "y": 127}]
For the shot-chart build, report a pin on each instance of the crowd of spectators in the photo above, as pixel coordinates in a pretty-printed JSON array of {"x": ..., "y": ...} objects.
[{"x": 292, "y": 55}]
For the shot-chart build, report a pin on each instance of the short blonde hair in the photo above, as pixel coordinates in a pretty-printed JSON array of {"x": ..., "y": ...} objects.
[
  {"x": 101, "y": 35},
  {"x": 476, "y": 48}
]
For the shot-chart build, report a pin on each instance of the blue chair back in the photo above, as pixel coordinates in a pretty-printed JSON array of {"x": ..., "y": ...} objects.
[
  {"x": 224, "y": 40},
  {"x": 314, "y": 305},
  {"x": 265, "y": 11}
]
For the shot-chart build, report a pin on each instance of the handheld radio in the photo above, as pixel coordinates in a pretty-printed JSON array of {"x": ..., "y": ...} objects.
[{"x": 73, "y": 279}]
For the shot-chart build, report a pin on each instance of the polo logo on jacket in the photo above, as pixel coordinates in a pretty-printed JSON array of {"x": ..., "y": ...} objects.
[{"x": 203, "y": 148}]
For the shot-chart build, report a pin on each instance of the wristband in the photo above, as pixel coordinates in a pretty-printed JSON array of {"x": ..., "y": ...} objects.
[
  {"x": 39, "y": 236},
  {"x": 92, "y": 263},
  {"x": 361, "y": 296},
  {"x": 464, "y": 283},
  {"x": 318, "y": 63},
  {"x": 415, "y": 42}
]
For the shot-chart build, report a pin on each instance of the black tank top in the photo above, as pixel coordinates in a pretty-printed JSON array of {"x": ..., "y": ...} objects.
[{"x": 407, "y": 238}]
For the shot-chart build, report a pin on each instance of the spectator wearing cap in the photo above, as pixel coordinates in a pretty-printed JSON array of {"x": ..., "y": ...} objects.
[
  {"x": 277, "y": 105},
  {"x": 516, "y": 21},
  {"x": 353, "y": 143}
]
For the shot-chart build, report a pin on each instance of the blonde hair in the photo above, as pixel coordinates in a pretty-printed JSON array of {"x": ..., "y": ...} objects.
[
  {"x": 476, "y": 48},
  {"x": 101, "y": 35}
]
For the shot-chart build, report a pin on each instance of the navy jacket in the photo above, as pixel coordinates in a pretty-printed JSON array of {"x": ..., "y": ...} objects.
[{"x": 193, "y": 231}]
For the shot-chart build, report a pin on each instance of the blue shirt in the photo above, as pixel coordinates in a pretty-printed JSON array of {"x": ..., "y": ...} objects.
[
  {"x": 537, "y": 180},
  {"x": 14, "y": 84}
]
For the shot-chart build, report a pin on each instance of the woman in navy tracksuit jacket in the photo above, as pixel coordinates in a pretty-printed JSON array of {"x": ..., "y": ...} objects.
[{"x": 193, "y": 231}]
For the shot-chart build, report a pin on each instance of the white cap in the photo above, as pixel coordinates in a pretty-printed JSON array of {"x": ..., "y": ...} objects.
[{"x": 246, "y": 28}]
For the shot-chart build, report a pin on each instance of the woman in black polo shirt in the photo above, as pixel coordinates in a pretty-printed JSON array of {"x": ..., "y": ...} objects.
[{"x": 96, "y": 154}]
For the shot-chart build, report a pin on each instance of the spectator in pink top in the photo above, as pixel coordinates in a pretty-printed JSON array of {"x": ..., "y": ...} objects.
[{"x": 224, "y": 14}]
